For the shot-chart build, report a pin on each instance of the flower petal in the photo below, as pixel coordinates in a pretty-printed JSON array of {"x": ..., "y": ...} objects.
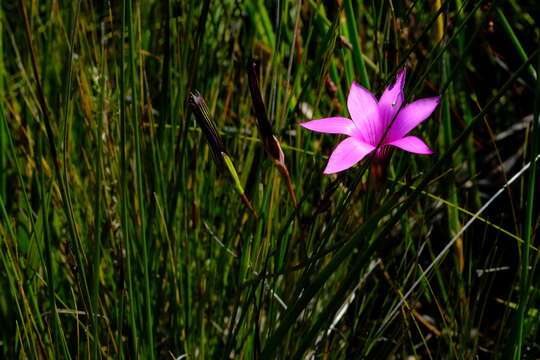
[
  {"x": 392, "y": 99},
  {"x": 412, "y": 144},
  {"x": 364, "y": 110},
  {"x": 332, "y": 125},
  {"x": 411, "y": 116},
  {"x": 346, "y": 154}
]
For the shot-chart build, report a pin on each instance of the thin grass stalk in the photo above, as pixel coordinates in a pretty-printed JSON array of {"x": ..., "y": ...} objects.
[
  {"x": 426, "y": 31},
  {"x": 166, "y": 93},
  {"x": 98, "y": 164},
  {"x": 287, "y": 95},
  {"x": 525, "y": 273},
  {"x": 276, "y": 58},
  {"x": 467, "y": 114},
  {"x": 435, "y": 58},
  {"x": 62, "y": 176},
  {"x": 148, "y": 323},
  {"x": 126, "y": 233},
  {"x": 3, "y": 133},
  {"x": 14, "y": 281},
  {"x": 58, "y": 338},
  {"x": 331, "y": 37},
  {"x": 270, "y": 142},
  {"x": 181, "y": 142},
  {"x": 467, "y": 212},
  {"x": 55, "y": 339},
  {"x": 32, "y": 335},
  {"x": 10, "y": 260},
  {"x": 513, "y": 38},
  {"x": 453, "y": 215},
  {"x": 355, "y": 40}
]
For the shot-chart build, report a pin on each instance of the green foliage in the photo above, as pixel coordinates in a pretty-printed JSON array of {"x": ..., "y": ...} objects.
[{"x": 121, "y": 238}]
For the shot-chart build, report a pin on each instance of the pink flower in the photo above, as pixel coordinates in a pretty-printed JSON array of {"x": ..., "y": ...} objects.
[{"x": 370, "y": 120}]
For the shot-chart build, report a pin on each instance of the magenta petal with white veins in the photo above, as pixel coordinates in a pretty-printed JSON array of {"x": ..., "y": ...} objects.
[{"x": 346, "y": 154}]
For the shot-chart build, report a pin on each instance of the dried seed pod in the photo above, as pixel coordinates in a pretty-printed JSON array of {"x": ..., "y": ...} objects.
[
  {"x": 210, "y": 132},
  {"x": 208, "y": 127},
  {"x": 264, "y": 125},
  {"x": 270, "y": 142}
]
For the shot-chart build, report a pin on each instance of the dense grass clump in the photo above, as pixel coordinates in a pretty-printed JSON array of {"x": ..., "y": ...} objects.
[{"x": 159, "y": 200}]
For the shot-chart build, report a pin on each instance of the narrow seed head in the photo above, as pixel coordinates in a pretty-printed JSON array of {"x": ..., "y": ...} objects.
[
  {"x": 270, "y": 142},
  {"x": 208, "y": 127},
  {"x": 265, "y": 126}
]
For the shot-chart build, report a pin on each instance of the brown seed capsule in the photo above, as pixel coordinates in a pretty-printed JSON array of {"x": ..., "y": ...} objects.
[
  {"x": 265, "y": 127},
  {"x": 270, "y": 142}
]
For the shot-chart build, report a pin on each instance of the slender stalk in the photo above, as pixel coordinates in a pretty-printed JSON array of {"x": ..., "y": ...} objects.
[
  {"x": 525, "y": 273},
  {"x": 98, "y": 165},
  {"x": 64, "y": 188},
  {"x": 513, "y": 38},
  {"x": 355, "y": 40},
  {"x": 126, "y": 233},
  {"x": 3, "y": 133},
  {"x": 148, "y": 323},
  {"x": 453, "y": 216}
]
